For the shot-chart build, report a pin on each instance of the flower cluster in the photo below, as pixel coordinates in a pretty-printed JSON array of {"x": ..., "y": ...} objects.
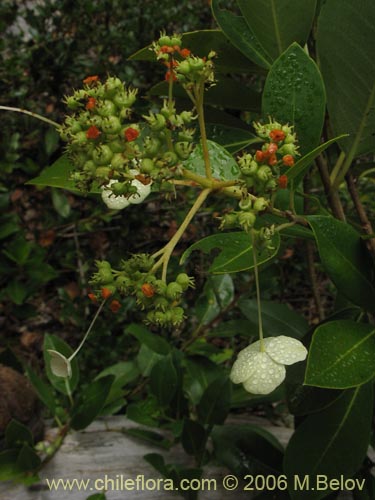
[
  {"x": 136, "y": 278},
  {"x": 260, "y": 367},
  {"x": 261, "y": 171}
]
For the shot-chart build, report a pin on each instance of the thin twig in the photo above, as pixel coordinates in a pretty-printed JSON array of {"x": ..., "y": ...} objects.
[{"x": 332, "y": 194}]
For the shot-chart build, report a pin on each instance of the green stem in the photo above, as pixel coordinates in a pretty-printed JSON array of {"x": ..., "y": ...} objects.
[
  {"x": 169, "y": 247},
  {"x": 337, "y": 167},
  {"x": 88, "y": 331},
  {"x": 256, "y": 273},
  {"x": 202, "y": 127},
  {"x": 30, "y": 113},
  {"x": 291, "y": 198}
]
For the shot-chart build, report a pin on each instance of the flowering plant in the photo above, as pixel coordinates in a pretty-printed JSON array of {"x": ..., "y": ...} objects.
[{"x": 266, "y": 176}]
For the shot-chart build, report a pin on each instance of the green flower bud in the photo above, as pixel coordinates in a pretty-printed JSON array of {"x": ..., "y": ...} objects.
[
  {"x": 118, "y": 161},
  {"x": 229, "y": 221},
  {"x": 102, "y": 155},
  {"x": 151, "y": 146},
  {"x": 156, "y": 121},
  {"x": 102, "y": 173},
  {"x": 174, "y": 290},
  {"x": 111, "y": 125},
  {"x": 264, "y": 173},
  {"x": 170, "y": 158},
  {"x": 79, "y": 139},
  {"x": 117, "y": 146},
  {"x": 165, "y": 40},
  {"x": 183, "y": 149},
  {"x": 106, "y": 108},
  {"x": 246, "y": 220},
  {"x": 184, "y": 281},
  {"x": 147, "y": 166},
  {"x": 124, "y": 284},
  {"x": 184, "y": 67},
  {"x": 260, "y": 204}
]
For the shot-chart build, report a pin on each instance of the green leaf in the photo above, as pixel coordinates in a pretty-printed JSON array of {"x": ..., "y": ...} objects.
[
  {"x": 17, "y": 434},
  {"x": 345, "y": 41},
  {"x": 302, "y": 165},
  {"x": 224, "y": 166},
  {"x": 57, "y": 175},
  {"x": 163, "y": 381},
  {"x": 218, "y": 293},
  {"x": 9, "y": 468},
  {"x": 124, "y": 373},
  {"x": 234, "y": 94},
  {"x": 341, "y": 355},
  {"x": 231, "y": 138},
  {"x": 145, "y": 337},
  {"x": 325, "y": 444},
  {"x": 277, "y": 318},
  {"x": 151, "y": 437},
  {"x": 18, "y": 250},
  {"x": 193, "y": 438},
  {"x": 247, "y": 449},
  {"x": 27, "y": 459},
  {"x": 158, "y": 463},
  {"x": 51, "y": 141},
  {"x": 17, "y": 292},
  {"x": 236, "y": 251},
  {"x": 345, "y": 259},
  {"x": 97, "y": 496},
  {"x": 228, "y": 59},
  {"x": 60, "y": 203},
  {"x": 200, "y": 372},
  {"x": 144, "y": 412},
  {"x": 214, "y": 404},
  {"x": 278, "y": 23},
  {"x": 146, "y": 359},
  {"x": 294, "y": 93},
  {"x": 55, "y": 343},
  {"x": 241, "y": 36},
  {"x": 90, "y": 402}
]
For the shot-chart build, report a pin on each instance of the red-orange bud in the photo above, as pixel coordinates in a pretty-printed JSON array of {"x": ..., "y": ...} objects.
[
  {"x": 165, "y": 49},
  {"x": 272, "y": 148},
  {"x": 91, "y": 79},
  {"x": 277, "y": 135},
  {"x": 93, "y": 132},
  {"x": 288, "y": 160},
  {"x": 283, "y": 181},
  {"x": 170, "y": 75},
  {"x": 131, "y": 134},
  {"x": 106, "y": 293},
  {"x": 148, "y": 290},
  {"x": 91, "y": 103},
  {"x": 115, "y": 306},
  {"x": 92, "y": 297},
  {"x": 259, "y": 155},
  {"x": 272, "y": 160}
]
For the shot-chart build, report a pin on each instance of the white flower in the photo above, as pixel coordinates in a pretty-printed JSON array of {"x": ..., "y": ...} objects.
[
  {"x": 119, "y": 202},
  {"x": 261, "y": 372}
]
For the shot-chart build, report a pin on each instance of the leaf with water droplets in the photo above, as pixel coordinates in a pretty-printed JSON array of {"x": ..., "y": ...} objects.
[
  {"x": 294, "y": 93},
  {"x": 223, "y": 165},
  {"x": 236, "y": 251},
  {"x": 342, "y": 355}
]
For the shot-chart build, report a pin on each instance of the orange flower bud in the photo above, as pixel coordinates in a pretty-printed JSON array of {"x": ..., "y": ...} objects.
[
  {"x": 283, "y": 181},
  {"x": 92, "y": 297},
  {"x": 91, "y": 79},
  {"x": 170, "y": 75},
  {"x": 131, "y": 134},
  {"x": 115, "y": 306},
  {"x": 165, "y": 49},
  {"x": 272, "y": 148},
  {"x": 288, "y": 160},
  {"x": 91, "y": 103},
  {"x": 106, "y": 293},
  {"x": 272, "y": 160},
  {"x": 259, "y": 155},
  {"x": 93, "y": 132},
  {"x": 148, "y": 290},
  {"x": 277, "y": 135},
  {"x": 185, "y": 53}
]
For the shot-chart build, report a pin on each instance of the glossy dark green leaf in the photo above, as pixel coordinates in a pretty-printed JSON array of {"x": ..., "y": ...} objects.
[
  {"x": 214, "y": 404},
  {"x": 124, "y": 373},
  {"x": 200, "y": 372},
  {"x": 345, "y": 259},
  {"x": 193, "y": 438},
  {"x": 303, "y": 164},
  {"x": 247, "y": 449},
  {"x": 229, "y": 59},
  {"x": 341, "y": 355},
  {"x": 144, "y": 336},
  {"x": 223, "y": 165},
  {"x": 90, "y": 401},
  {"x": 231, "y": 138},
  {"x": 151, "y": 437},
  {"x": 43, "y": 390},
  {"x": 57, "y": 175},
  {"x": 27, "y": 459},
  {"x": 345, "y": 41},
  {"x": 278, "y": 319},
  {"x": 226, "y": 92},
  {"x": 17, "y": 434},
  {"x": 278, "y": 23},
  {"x": 9, "y": 468},
  {"x": 146, "y": 359},
  {"x": 217, "y": 294},
  {"x": 163, "y": 381},
  {"x": 236, "y": 252},
  {"x": 325, "y": 444},
  {"x": 294, "y": 93},
  {"x": 157, "y": 461},
  {"x": 57, "y": 344},
  {"x": 241, "y": 36},
  {"x": 17, "y": 292},
  {"x": 146, "y": 412}
]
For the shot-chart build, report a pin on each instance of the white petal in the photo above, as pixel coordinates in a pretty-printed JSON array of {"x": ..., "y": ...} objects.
[
  {"x": 266, "y": 374},
  {"x": 243, "y": 368},
  {"x": 286, "y": 350},
  {"x": 60, "y": 365},
  {"x": 113, "y": 202},
  {"x": 143, "y": 191}
]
